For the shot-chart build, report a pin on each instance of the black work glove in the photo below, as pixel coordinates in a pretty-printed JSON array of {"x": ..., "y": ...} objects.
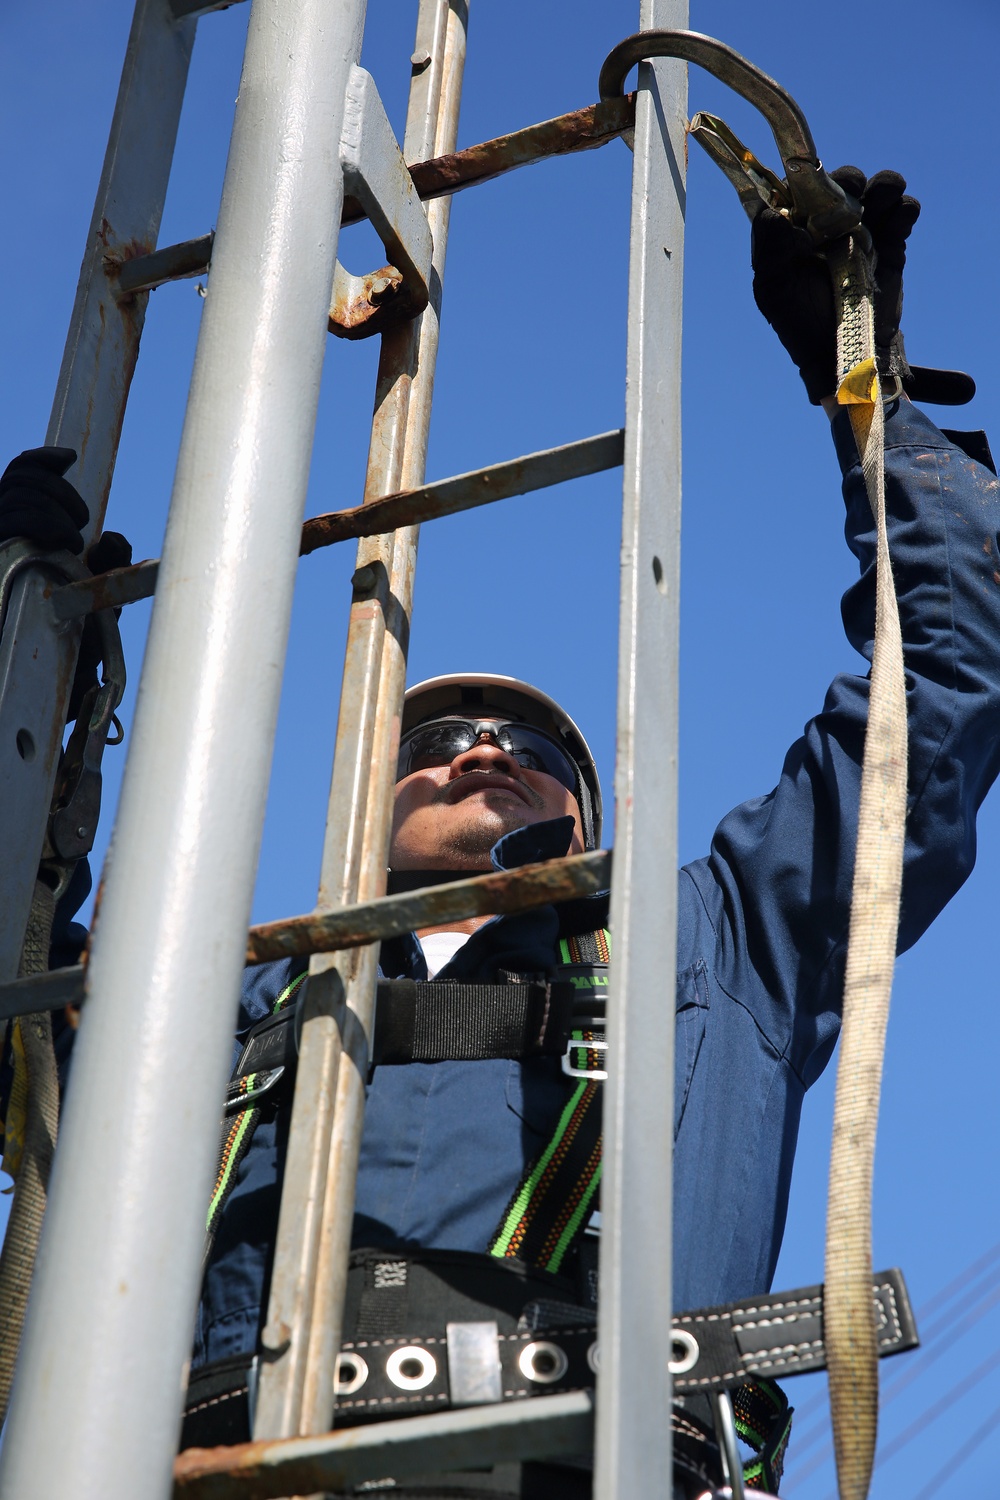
[
  {"x": 36, "y": 502},
  {"x": 793, "y": 289}
]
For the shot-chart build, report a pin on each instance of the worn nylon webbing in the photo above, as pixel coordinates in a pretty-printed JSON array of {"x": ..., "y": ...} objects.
[
  {"x": 237, "y": 1133},
  {"x": 848, "y": 1314},
  {"x": 553, "y": 1200}
]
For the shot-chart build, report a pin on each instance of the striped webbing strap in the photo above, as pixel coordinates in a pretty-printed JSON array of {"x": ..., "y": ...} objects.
[
  {"x": 556, "y": 1195},
  {"x": 238, "y": 1129}
]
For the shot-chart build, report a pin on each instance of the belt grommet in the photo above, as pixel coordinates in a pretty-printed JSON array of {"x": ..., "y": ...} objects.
[
  {"x": 542, "y": 1362},
  {"x": 684, "y": 1351},
  {"x": 350, "y": 1374},
  {"x": 594, "y": 1357},
  {"x": 411, "y": 1368}
]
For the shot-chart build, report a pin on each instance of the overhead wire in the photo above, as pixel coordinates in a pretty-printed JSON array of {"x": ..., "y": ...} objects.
[
  {"x": 941, "y": 1336},
  {"x": 963, "y": 1452},
  {"x": 918, "y": 1367},
  {"x": 938, "y": 1299}
]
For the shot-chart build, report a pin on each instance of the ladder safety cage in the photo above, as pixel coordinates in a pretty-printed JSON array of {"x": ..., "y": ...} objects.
[{"x": 107, "y": 1327}]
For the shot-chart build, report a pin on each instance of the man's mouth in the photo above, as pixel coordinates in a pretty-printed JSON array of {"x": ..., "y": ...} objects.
[{"x": 483, "y": 781}]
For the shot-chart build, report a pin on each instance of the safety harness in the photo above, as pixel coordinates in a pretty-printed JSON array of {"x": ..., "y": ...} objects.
[{"x": 546, "y": 1322}]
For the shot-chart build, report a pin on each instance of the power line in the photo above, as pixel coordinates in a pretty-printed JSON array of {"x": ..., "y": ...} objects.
[
  {"x": 964, "y": 1451},
  {"x": 938, "y": 1299},
  {"x": 982, "y": 1304}
]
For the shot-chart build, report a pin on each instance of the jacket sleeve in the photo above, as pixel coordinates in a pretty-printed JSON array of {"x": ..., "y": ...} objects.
[{"x": 777, "y": 884}]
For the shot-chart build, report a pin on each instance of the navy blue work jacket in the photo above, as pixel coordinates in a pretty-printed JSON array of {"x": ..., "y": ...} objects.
[{"x": 762, "y": 930}]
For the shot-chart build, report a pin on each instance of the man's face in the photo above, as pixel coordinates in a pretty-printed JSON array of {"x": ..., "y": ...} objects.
[{"x": 449, "y": 816}]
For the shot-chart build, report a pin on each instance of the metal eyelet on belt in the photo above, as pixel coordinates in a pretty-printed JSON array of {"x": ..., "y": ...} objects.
[
  {"x": 685, "y": 1351},
  {"x": 542, "y": 1362},
  {"x": 411, "y": 1368},
  {"x": 350, "y": 1374}
]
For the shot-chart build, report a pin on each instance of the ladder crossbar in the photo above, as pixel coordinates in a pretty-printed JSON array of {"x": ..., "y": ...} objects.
[
  {"x": 365, "y": 922},
  {"x": 441, "y": 176},
  {"x": 546, "y": 1427},
  {"x": 445, "y": 497}
]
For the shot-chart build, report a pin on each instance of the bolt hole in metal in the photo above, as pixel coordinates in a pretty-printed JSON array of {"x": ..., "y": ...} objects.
[
  {"x": 411, "y": 1368},
  {"x": 350, "y": 1375},
  {"x": 684, "y": 1351},
  {"x": 658, "y": 576},
  {"x": 542, "y": 1362},
  {"x": 25, "y": 745}
]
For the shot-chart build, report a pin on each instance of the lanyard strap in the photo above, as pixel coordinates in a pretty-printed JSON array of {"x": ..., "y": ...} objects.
[{"x": 871, "y": 950}]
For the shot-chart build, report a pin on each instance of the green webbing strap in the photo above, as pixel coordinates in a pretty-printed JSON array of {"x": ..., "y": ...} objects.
[
  {"x": 763, "y": 1420},
  {"x": 237, "y": 1133},
  {"x": 554, "y": 1198}
]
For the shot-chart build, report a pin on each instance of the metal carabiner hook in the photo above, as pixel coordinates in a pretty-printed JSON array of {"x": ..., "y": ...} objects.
[{"x": 811, "y": 198}]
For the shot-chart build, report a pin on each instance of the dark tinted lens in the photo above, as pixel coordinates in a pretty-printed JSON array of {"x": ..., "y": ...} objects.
[
  {"x": 536, "y": 752},
  {"x": 438, "y": 743},
  {"x": 434, "y": 745}
]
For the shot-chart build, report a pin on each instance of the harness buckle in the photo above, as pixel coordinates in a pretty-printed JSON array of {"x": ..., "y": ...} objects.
[{"x": 596, "y": 1075}]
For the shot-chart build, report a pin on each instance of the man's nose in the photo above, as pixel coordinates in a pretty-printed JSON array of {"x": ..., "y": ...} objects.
[{"x": 485, "y": 755}]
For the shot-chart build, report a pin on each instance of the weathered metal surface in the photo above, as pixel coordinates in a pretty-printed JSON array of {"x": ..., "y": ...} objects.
[
  {"x": 581, "y": 130},
  {"x": 376, "y": 177},
  {"x": 295, "y": 1392},
  {"x": 388, "y": 916},
  {"x": 101, "y": 348},
  {"x": 141, "y": 273},
  {"x": 120, "y": 1263},
  {"x": 633, "y": 1448},
  {"x": 517, "y": 476},
  {"x": 546, "y": 1427},
  {"x": 111, "y": 590}
]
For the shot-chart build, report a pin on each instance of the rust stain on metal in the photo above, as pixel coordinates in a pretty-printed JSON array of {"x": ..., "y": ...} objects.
[
  {"x": 581, "y": 130},
  {"x": 376, "y": 302},
  {"x": 387, "y": 916}
]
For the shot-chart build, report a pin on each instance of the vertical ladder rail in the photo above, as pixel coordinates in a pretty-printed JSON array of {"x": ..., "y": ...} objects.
[
  {"x": 633, "y": 1440},
  {"x": 38, "y": 654},
  {"x": 97, "y": 1401},
  {"x": 302, "y": 1333}
]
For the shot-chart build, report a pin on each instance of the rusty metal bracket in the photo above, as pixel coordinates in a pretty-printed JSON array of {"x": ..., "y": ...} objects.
[
  {"x": 811, "y": 196},
  {"x": 376, "y": 176}
]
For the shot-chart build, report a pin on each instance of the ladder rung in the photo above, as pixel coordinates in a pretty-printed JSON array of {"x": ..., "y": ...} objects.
[
  {"x": 172, "y": 263},
  {"x": 353, "y": 926},
  {"x": 581, "y": 130},
  {"x": 517, "y": 476},
  {"x": 389, "y": 916},
  {"x": 546, "y": 1427}
]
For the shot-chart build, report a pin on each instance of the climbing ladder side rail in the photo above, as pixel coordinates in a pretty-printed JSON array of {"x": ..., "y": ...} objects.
[
  {"x": 37, "y": 651},
  {"x": 307, "y": 1289},
  {"x": 633, "y": 1437},
  {"x": 110, "y": 1320}
]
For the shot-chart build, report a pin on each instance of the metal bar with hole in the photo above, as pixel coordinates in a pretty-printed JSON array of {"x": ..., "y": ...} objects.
[{"x": 633, "y": 1445}]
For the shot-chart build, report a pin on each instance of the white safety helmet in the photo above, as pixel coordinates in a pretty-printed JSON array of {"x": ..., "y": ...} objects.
[{"x": 479, "y": 693}]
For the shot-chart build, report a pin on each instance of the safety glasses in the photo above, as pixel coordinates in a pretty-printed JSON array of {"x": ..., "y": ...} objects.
[{"x": 438, "y": 742}]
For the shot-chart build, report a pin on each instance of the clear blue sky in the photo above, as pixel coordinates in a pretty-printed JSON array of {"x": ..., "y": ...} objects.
[{"x": 532, "y": 354}]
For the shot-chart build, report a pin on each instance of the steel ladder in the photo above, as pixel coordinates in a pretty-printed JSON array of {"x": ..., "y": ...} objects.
[{"x": 117, "y": 1275}]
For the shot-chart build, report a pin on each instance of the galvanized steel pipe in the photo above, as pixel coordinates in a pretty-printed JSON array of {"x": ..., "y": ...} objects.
[{"x": 100, "y": 1385}]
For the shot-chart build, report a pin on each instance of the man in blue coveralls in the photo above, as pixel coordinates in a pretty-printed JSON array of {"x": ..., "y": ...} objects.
[{"x": 456, "y": 1213}]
